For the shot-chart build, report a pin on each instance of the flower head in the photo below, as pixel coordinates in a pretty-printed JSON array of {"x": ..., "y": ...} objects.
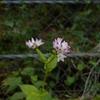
[
  {"x": 33, "y": 44},
  {"x": 62, "y": 48}
]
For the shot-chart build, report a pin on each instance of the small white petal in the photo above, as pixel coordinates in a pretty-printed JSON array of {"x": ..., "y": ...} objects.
[
  {"x": 61, "y": 57},
  {"x": 29, "y": 44},
  {"x": 39, "y": 42},
  {"x": 32, "y": 40}
]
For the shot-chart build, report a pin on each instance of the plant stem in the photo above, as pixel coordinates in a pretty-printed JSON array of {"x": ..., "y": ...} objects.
[
  {"x": 45, "y": 77},
  {"x": 41, "y": 55}
]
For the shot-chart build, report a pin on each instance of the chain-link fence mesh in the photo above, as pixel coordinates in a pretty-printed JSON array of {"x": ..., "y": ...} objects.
[{"x": 79, "y": 76}]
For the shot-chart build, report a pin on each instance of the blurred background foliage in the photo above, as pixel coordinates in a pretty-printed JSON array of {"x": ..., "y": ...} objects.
[{"x": 79, "y": 24}]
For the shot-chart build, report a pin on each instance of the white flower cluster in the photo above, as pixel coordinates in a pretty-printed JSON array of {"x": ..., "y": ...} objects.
[
  {"x": 33, "y": 44},
  {"x": 62, "y": 48}
]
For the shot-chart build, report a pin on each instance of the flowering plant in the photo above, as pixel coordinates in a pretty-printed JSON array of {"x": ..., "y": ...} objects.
[{"x": 61, "y": 48}]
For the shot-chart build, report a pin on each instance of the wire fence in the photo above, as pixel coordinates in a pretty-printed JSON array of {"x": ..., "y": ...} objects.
[{"x": 71, "y": 55}]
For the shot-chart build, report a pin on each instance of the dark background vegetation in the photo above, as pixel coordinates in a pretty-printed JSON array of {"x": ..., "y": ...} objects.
[{"x": 79, "y": 24}]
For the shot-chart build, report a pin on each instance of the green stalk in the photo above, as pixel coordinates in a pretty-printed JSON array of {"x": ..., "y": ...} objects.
[
  {"x": 45, "y": 77},
  {"x": 43, "y": 58}
]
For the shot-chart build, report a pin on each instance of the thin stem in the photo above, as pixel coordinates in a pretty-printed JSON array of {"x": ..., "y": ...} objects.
[
  {"x": 41, "y": 55},
  {"x": 45, "y": 77}
]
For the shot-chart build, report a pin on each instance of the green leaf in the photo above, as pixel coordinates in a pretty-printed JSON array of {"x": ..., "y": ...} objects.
[
  {"x": 34, "y": 78},
  {"x": 47, "y": 97},
  {"x": 17, "y": 96},
  {"x": 74, "y": 26},
  {"x": 33, "y": 96},
  {"x": 88, "y": 11},
  {"x": 92, "y": 63},
  {"x": 38, "y": 83},
  {"x": 27, "y": 89},
  {"x": 13, "y": 81},
  {"x": 23, "y": 32},
  {"x": 52, "y": 64},
  {"x": 38, "y": 95},
  {"x": 80, "y": 66},
  {"x": 70, "y": 80},
  {"x": 11, "y": 88},
  {"x": 28, "y": 71},
  {"x": 9, "y": 23},
  {"x": 15, "y": 73},
  {"x": 52, "y": 84}
]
